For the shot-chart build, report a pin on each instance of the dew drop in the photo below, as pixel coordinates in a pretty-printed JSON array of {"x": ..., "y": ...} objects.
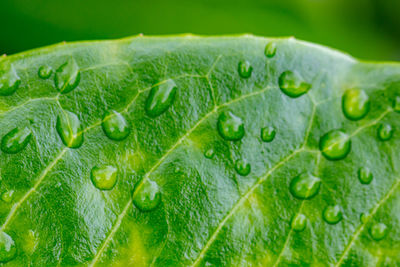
[
  {"x": 9, "y": 82},
  {"x": 209, "y": 153},
  {"x": 396, "y": 104},
  {"x": 335, "y": 145},
  {"x": 364, "y": 217},
  {"x": 242, "y": 167},
  {"x": 115, "y": 125},
  {"x": 378, "y": 231},
  {"x": 292, "y": 85},
  {"x": 245, "y": 69},
  {"x": 268, "y": 134},
  {"x": 270, "y": 50},
  {"x": 299, "y": 222},
  {"x": 333, "y": 214},
  {"x": 355, "y": 104},
  {"x": 365, "y": 175},
  {"x": 16, "y": 140},
  {"x": 147, "y": 195},
  {"x": 8, "y": 249},
  {"x": 230, "y": 126},
  {"x": 67, "y": 76},
  {"x": 160, "y": 98},
  {"x": 45, "y": 72},
  {"x": 305, "y": 186},
  {"x": 104, "y": 177},
  {"x": 385, "y": 132},
  {"x": 7, "y": 196},
  {"x": 69, "y": 128}
]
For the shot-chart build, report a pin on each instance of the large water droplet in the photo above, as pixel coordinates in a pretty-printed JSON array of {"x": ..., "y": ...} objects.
[
  {"x": 45, "y": 72},
  {"x": 378, "y": 231},
  {"x": 396, "y": 104},
  {"x": 385, "y": 132},
  {"x": 69, "y": 128},
  {"x": 299, "y": 222},
  {"x": 245, "y": 69},
  {"x": 365, "y": 175},
  {"x": 7, "y": 196},
  {"x": 333, "y": 214},
  {"x": 8, "y": 249},
  {"x": 67, "y": 76},
  {"x": 230, "y": 126},
  {"x": 209, "y": 153},
  {"x": 160, "y": 98},
  {"x": 147, "y": 195},
  {"x": 270, "y": 49},
  {"x": 335, "y": 145},
  {"x": 9, "y": 82},
  {"x": 268, "y": 134},
  {"x": 16, "y": 140},
  {"x": 104, "y": 177},
  {"x": 355, "y": 104},
  {"x": 115, "y": 126},
  {"x": 292, "y": 84},
  {"x": 305, "y": 186},
  {"x": 242, "y": 167}
]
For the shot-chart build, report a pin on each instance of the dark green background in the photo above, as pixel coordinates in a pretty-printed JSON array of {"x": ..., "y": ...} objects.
[{"x": 367, "y": 29}]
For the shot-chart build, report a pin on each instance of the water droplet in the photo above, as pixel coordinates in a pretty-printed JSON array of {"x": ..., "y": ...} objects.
[
  {"x": 147, "y": 195},
  {"x": 230, "y": 126},
  {"x": 45, "y": 72},
  {"x": 364, "y": 217},
  {"x": 396, "y": 104},
  {"x": 378, "y": 231},
  {"x": 268, "y": 134},
  {"x": 7, "y": 196},
  {"x": 9, "y": 82},
  {"x": 160, "y": 98},
  {"x": 365, "y": 175},
  {"x": 299, "y": 222},
  {"x": 385, "y": 132},
  {"x": 8, "y": 249},
  {"x": 67, "y": 76},
  {"x": 292, "y": 84},
  {"x": 355, "y": 104},
  {"x": 104, "y": 177},
  {"x": 69, "y": 128},
  {"x": 335, "y": 145},
  {"x": 305, "y": 186},
  {"x": 16, "y": 140},
  {"x": 245, "y": 69},
  {"x": 333, "y": 214},
  {"x": 115, "y": 126},
  {"x": 242, "y": 167},
  {"x": 270, "y": 49},
  {"x": 209, "y": 153}
]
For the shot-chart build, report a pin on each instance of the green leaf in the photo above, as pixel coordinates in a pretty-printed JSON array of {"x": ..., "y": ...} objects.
[{"x": 162, "y": 153}]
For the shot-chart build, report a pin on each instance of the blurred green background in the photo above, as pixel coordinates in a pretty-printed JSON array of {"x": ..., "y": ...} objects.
[{"x": 367, "y": 29}]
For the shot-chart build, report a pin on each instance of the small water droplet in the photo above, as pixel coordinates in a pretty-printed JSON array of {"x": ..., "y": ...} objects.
[
  {"x": 104, "y": 177},
  {"x": 378, "y": 231},
  {"x": 292, "y": 84},
  {"x": 230, "y": 126},
  {"x": 305, "y": 186},
  {"x": 385, "y": 132},
  {"x": 70, "y": 129},
  {"x": 16, "y": 140},
  {"x": 333, "y": 214},
  {"x": 7, "y": 196},
  {"x": 67, "y": 76},
  {"x": 364, "y": 217},
  {"x": 45, "y": 72},
  {"x": 115, "y": 125},
  {"x": 8, "y": 249},
  {"x": 160, "y": 98},
  {"x": 209, "y": 153},
  {"x": 9, "y": 82},
  {"x": 365, "y": 175},
  {"x": 396, "y": 104},
  {"x": 147, "y": 195},
  {"x": 270, "y": 49},
  {"x": 335, "y": 145},
  {"x": 242, "y": 167},
  {"x": 245, "y": 69},
  {"x": 299, "y": 222},
  {"x": 268, "y": 134},
  {"x": 355, "y": 104}
]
